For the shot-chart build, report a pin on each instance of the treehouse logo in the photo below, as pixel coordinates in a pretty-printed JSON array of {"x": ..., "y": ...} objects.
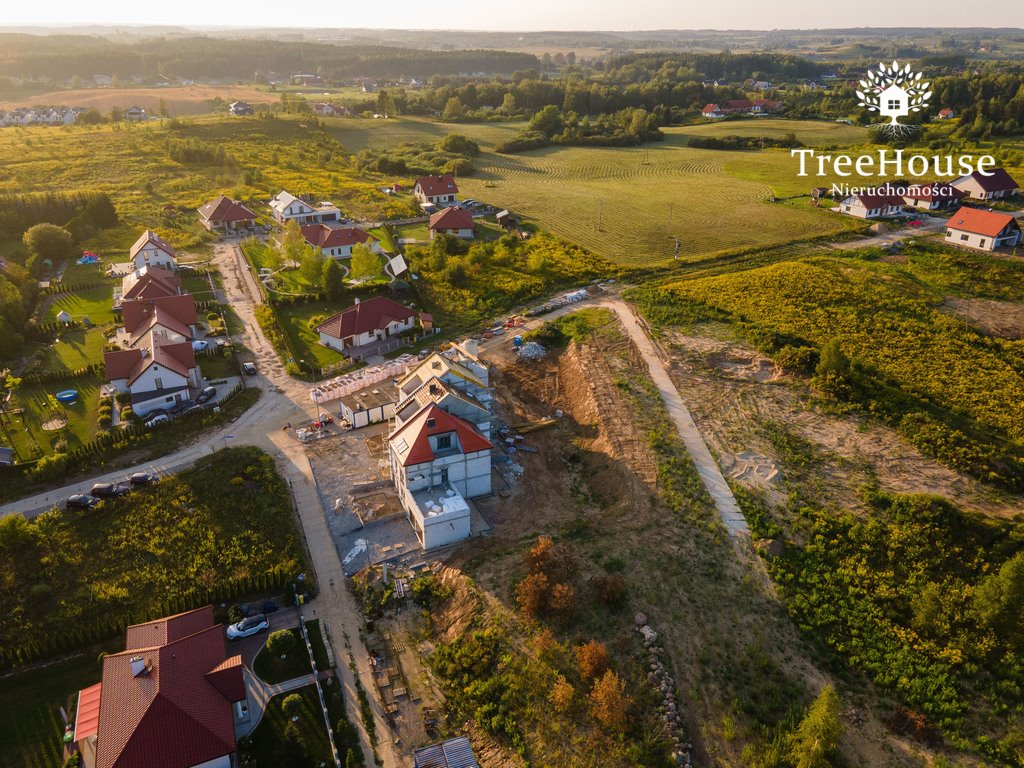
[{"x": 894, "y": 92}]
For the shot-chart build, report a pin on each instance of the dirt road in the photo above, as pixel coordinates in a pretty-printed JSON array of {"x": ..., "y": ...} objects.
[{"x": 708, "y": 469}]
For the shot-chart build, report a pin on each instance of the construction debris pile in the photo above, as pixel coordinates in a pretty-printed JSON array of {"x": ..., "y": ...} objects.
[
  {"x": 340, "y": 386},
  {"x": 560, "y": 301},
  {"x": 662, "y": 680},
  {"x": 531, "y": 350}
]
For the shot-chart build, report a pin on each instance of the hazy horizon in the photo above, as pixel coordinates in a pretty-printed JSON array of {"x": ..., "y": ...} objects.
[{"x": 530, "y": 16}]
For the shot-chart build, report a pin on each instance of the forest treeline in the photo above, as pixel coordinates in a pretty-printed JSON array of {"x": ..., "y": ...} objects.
[{"x": 62, "y": 57}]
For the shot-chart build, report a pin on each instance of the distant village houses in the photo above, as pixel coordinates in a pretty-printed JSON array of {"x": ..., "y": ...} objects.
[{"x": 994, "y": 186}]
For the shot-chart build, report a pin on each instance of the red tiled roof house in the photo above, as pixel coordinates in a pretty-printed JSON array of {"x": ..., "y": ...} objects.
[
  {"x": 222, "y": 214},
  {"x": 872, "y": 204},
  {"x": 157, "y": 373},
  {"x": 151, "y": 250},
  {"x": 457, "y": 222},
  {"x": 993, "y": 186},
  {"x": 438, "y": 460},
  {"x": 338, "y": 242},
  {"x": 170, "y": 700},
  {"x": 366, "y": 322},
  {"x": 932, "y": 197},
  {"x": 982, "y": 230},
  {"x": 436, "y": 190}
]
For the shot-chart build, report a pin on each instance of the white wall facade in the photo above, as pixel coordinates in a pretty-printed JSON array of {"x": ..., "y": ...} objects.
[
  {"x": 151, "y": 256},
  {"x": 981, "y": 242}
]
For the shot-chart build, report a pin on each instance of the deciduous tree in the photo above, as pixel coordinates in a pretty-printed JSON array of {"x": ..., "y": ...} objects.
[
  {"x": 365, "y": 263},
  {"x": 609, "y": 702},
  {"x": 592, "y": 659}
]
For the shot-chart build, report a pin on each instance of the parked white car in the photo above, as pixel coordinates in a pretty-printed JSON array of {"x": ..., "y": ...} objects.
[
  {"x": 160, "y": 418},
  {"x": 199, "y": 345},
  {"x": 247, "y": 627}
]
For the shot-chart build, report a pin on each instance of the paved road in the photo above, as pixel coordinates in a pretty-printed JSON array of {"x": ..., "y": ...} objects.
[{"x": 284, "y": 400}]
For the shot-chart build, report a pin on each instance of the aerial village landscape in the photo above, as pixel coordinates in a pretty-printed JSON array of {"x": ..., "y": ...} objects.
[{"x": 467, "y": 399}]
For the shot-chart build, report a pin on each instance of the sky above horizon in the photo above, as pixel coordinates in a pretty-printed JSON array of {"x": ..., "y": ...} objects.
[{"x": 528, "y": 15}]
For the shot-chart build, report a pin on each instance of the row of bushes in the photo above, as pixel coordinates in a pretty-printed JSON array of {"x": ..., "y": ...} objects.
[
  {"x": 80, "y": 634},
  {"x": 59, "y": 286},
  {"x": 48, "y": 377}
]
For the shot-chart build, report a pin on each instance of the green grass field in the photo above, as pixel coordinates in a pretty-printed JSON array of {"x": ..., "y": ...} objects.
[
  {"x": 96, "y": 304},
  {"x": 643, "y": 198},
  {"x": 28, "y": 435}
]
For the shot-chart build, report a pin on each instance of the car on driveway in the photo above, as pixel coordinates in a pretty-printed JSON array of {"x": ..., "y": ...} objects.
[
  {"x": 109, "y": 490},
  {"x": 207, "y": 395},
  {"x": 191, "y": 408},
  {"x": 143, "y": 478},
  {"x": 247, "y": 627},
  {"x": 249, "y": 369},
  {"x": 160, "y": 418},
  {"x": 177, "y": 409},
  {"x": 81, "y": 501},
  {"x": 199, "y": 345}
]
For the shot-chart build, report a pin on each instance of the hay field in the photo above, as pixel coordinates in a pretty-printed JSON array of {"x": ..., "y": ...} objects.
[
  {"x": 179, "y": 100},
  {"x": 644, "y": 198}
]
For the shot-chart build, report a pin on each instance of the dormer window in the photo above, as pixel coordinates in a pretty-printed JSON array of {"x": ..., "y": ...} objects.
[
  {"x": 431, "y": 422},
  {"x": 444, "y": 442}
]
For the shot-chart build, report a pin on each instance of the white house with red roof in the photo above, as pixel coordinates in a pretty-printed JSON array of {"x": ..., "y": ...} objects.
[
  {"x": 151, "y": 250},
  {"x": 169, "y": 700},
  {"x": 946, "y": 114},
  {"x": 173, "y": 317},
  {"x": 338, "y": 242},
  {"x": 438, "y": 461},
  {"x": 933, "y": 196},
  {"x": 991, "y": 186},
  {"x": 457, "y": 222},
  {"x": 982, "y": 230},
  {"x": 872, "y": 204},
  {"x": 436, "y": 190},
  {"x": 712, "y": 112},
  {"x": 157, "y": 373},
  {"x": 222, "y": 214},
  {"x": 366, "y": 322},
  {"x": 147, "y": 283}
]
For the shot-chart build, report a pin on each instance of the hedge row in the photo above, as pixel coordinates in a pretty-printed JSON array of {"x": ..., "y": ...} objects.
[
  {"x": 48, "y": 377},
  {"x": 62, "y": 287},
  {"x": 56, "y": 641}
]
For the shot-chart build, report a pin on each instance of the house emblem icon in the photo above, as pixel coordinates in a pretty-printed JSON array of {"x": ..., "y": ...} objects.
[{"x": 894, "y": 102}]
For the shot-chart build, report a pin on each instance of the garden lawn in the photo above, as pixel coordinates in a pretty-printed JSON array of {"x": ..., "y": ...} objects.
[
  {"x": 29, "y": 437},
  {"x": 220, "y": 529},
  {"x": 305, "y": 341},
  {"x": 268, "y": 740},
  {"x": 76, "y": 349},
  {"x": 273, "y": 669},
  {"x": 96, "y": 304},
  {"x": 417, "y": 232},
  {"x": 29, "y": 704},
  {"x": 217, "y": 366}
]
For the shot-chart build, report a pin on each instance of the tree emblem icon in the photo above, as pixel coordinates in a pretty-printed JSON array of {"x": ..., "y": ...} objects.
[{"x": 894, "y": 92}]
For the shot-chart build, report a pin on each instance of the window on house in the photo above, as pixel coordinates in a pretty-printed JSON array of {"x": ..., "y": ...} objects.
[
  {"x": 444, "y": 442},
  {"x": 981, "y": 243},
  {"x": 949, "y": 233},
  {"x": 442, "y": 477},
  {"x": 965, "y": 238},
  {"x": 159, "y": 382},
  {"x": 895, "y": 104}
]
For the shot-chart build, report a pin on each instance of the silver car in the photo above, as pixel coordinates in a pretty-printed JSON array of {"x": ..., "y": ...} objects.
[{"x": 247, "y": 627}]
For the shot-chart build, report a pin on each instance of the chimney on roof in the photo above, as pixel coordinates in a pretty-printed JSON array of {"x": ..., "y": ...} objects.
[
  {"x": 434, "y": 389},
  {"x": 140, "y": 666}
]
